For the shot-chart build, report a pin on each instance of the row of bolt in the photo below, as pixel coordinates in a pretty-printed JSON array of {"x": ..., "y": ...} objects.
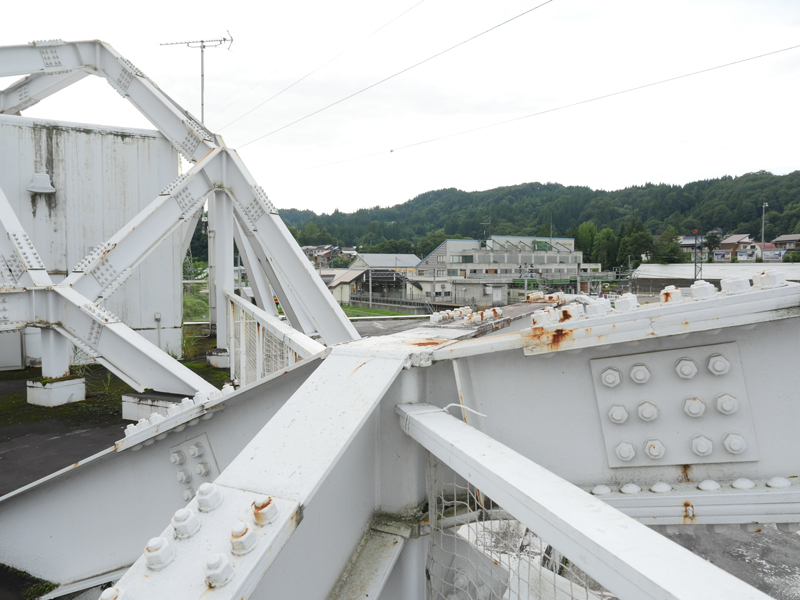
[
  {"x": 701, "y": 445},
  {"x": 765, "y": 280},
  {"x": 709, "y": 485},
  {"x": 218, "y": 569},
  {"x": 450, "y": 315},
  {"x": 685, "y": 368},
  {"x": 694, "y": 406},
  {"x": 155, "y": 418}
]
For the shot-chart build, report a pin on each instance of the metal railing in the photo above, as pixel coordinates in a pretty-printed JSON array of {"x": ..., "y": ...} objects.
[{"x": 260, "y": 344}]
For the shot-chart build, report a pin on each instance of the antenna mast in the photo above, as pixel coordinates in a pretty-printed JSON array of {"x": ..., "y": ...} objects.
[{"x": 203, "y": 44}]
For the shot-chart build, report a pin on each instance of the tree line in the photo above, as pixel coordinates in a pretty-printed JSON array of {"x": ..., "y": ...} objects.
[{"x": 608, "y": 226}]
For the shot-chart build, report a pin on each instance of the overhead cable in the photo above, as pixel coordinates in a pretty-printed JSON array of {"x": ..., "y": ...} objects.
[
  {"x": 385, "y": 79},
  {"x": 307, "y": 75},
  {"x": 557, "y": 108}
]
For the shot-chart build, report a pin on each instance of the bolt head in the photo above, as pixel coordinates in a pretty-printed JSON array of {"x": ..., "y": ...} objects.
[
  {"x": 243, "y": 538},
  {"x": 184, "y": 476},
  {"x": 647, "y": 411},
  {"x": 640, "y": 373},
  {"x": 611, "y": 377},
  {"x": 188, "y": 494},
  {"x": 625, "y": 451},
  {"x": 177, "y": 458},
  {"x": 618, "y": 414},
  {"x": 726, "y": 403},
  {"x": 654, "y": 448},
  {"x": 185, "y": 523},
  {"x": 702, "y": 446},
  {"x": 734, "y": 443},
  {"x": 209, "y": 497},
  {"x": 694, "y": 406},
  {"x": 202, "y": 468},
  {"x": 158, "y": 553},
  {"x": 113, "y": 593},
  {"x": 718, "y": 364},
  {"x": 264, "y": 510},
  {"x": 686, "y": 368},
  {"x": 218, "y": 570},
  {"x": 196, "y": 450}
]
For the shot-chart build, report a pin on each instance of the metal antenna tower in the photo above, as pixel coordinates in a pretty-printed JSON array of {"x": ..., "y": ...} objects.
[{"x": 203, "y": 44}]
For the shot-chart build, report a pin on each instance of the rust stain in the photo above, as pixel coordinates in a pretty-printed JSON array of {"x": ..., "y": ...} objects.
[
  {"x": 394, "y": 543},
  {"x": 565, "y": 316},
  {"x": 688, "y": 513},
  {"x": 428, "y": 343},
  {"x": 76, "y": 464},
  {"x": 553, "y": 339},
  {"x": 667, "y": 296},
  {"x": 685, "y": 478}
]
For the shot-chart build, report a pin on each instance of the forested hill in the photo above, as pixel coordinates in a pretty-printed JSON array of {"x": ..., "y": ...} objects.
[{"x": 730, "y": 203}]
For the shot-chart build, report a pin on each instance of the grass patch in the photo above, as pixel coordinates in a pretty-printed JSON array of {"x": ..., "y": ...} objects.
[
  {"x": 214, "y": 376},
  {"x": 25, "y": 585},
  {"x": 358, "y": 311}
]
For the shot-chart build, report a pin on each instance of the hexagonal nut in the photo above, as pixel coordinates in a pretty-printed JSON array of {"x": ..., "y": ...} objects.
[
  {"x": 264, "y": 510},
  {"x": 188, "y": 494},
  {"x": 647, "y": 411},
  {"x": 202, "y": 468},
  {"x": 702, "y": 446},
  {"x": 184, "y": 476},
  {"x": 611, "y": 377},
  {"x": 726, "y": 403},
  {"x": 718, "y": 364},
  {"x": 640, "y": 373},
  {"x": 158, "y": 553},
  {"x": 625, "y": 451},
  {"x": 209, "y": 497},
  {"x": 734, "y": 443},
  {"x": 686, "y": 368},
  {"x": 655, "y": 448},
  {"x": 243, "y": 538},
  {"x": 218, "y": 570},
  {"x": 196, "y": 450},
  {"x": 185, "y": 523},
  {"x": 114, "y": 593},
  {"x": 618, "y": 414},
  {"x": 694, "y": 406}
]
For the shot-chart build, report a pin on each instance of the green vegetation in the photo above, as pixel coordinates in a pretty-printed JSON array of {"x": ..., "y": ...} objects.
[
  {"x": 632, "y": 220},
  {"x": 358, "y": 311},
  {"x": 25, "y": 585}
]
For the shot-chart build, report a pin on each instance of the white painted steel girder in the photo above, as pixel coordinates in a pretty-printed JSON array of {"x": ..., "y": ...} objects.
[
  {"x": 309, "y": 436},
  {"x": 621, "y": 554},
  {"x": 56, "y": 57},
  {"x": 111, "y": 503},
  {"x": 111, "y": 262},
  {"x": 257, "y": 278},
  {"x": 128, "y": 355}
]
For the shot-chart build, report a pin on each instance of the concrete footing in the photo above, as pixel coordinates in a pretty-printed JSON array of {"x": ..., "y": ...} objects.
[
  {"x": 56, "y": 393},
  {"x": 141, "y": 406},
  {"x": 219, "y": 358}
]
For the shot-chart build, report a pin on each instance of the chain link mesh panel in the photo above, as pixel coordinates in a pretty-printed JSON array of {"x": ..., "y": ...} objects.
[
  {"x": 255, "y": 351},
  {"x": 480, "y": 552}
]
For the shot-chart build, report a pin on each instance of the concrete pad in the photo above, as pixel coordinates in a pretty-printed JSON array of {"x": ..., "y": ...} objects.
[{"x": 56, "y": 393}]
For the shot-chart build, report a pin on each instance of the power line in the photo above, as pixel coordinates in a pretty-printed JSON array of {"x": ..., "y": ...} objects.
[
  {"x": 227, "y": 106},
  {"x": 385, "y": 79},
  {"x": 313, "y": 71},
  {"x": 550, "y": 110}
]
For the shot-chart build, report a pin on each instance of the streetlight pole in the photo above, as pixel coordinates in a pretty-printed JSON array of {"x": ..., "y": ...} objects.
[{"x": 763, "y": 213}]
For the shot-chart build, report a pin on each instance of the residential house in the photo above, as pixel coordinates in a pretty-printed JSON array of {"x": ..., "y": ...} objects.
[{"x": 789, "y": 242}]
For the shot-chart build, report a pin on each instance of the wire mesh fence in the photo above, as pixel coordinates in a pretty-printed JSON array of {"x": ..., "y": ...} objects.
[
  {"x": 254, "y": 351},
  {"x": 480, "y": 552}
]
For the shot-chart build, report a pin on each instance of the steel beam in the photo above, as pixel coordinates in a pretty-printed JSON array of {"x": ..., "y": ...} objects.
[{"x": 621, "y": 554}]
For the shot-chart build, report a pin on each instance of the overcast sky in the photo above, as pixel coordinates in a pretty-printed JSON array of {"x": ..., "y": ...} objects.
[{"x": 732, "y": 121}]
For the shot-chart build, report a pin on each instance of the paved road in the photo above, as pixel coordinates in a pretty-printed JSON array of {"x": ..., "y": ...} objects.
[{"x": 30, "y": 451}]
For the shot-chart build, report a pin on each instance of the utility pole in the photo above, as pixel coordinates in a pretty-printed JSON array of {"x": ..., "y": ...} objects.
[
  {"x": 203, "y": 44},
  {"x": 763, "y": 213}
]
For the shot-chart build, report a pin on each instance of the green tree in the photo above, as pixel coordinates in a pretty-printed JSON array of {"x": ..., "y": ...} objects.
[
  {"x": 584, "y": 240},
  {"x": 667, "y": 248},
  {"x": 605, "y": 249}
]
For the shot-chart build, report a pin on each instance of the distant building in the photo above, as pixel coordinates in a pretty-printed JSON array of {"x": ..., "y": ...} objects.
[
  {"x": 739, "y": 241},
  {"x": 343, "y": 282},
  {"x": 788, "y": 242},
  {"x": 402, "y": 263},
  {"x": 484, "y": 271}
]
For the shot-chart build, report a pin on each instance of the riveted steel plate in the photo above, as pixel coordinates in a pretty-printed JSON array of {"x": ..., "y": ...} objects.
[
  {"x": 673, "y": 426},
  {"x": 201, "y": 469}
]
